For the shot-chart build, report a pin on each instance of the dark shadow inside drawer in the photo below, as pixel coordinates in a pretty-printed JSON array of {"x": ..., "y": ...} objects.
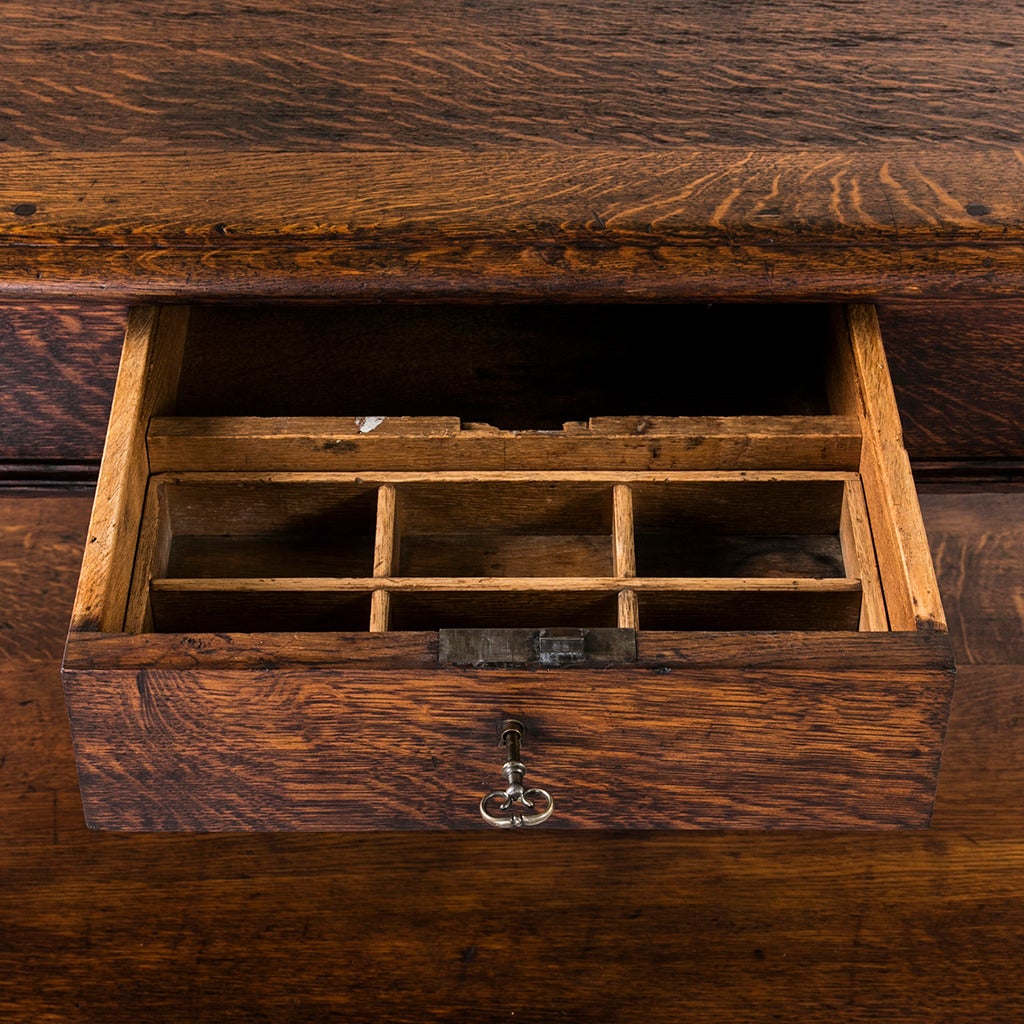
[
  {"x": 739, "y": 529},
  {"x": 517, "y": 367},
  {"x": 504, "y": 529},
  {"x": 258, "y": 530}
]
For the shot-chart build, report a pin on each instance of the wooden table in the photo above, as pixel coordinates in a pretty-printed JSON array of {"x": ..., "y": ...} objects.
[{"x": 622, "y": 150}]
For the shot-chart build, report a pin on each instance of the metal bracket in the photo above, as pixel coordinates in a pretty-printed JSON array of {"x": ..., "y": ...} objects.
[{"x": 546, "y": 648}]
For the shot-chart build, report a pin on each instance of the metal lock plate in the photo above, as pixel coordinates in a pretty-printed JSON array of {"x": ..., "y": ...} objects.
[{"x": 545, "y": 648}]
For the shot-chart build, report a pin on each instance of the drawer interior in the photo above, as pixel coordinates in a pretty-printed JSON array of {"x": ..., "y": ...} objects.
[
  {"x": 383, "y": 469},
  {"x": 515, "y": 367},
  {"x": 333, "y": 547},
  {"x": 749, "y": 551}
]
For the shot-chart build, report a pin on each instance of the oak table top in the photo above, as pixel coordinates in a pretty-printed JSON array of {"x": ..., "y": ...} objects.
[{"x": 624, "y": 148}]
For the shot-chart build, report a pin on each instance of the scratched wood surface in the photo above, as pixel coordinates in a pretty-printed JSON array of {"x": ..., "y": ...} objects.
[
  {"x": 278, "y": 148},
  {"x": 925, "y": 927},
  {"x": 783, "y": 746}
]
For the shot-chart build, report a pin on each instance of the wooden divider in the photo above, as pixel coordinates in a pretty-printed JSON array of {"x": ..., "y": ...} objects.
[
  {"x": 625, "y": 554},
  {"x": 550, "y": 503},
  {"x": 313, "y": 444},
  {"x": 384, "y": 558}
]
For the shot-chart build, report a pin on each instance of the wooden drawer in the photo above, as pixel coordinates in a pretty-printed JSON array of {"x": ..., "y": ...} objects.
[{"x": 334, "y": 551}]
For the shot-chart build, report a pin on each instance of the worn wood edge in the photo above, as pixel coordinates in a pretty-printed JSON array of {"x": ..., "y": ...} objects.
[
  {"x": 623, "y": 547},
  {"x": 715, "y": 221},
  {"x": 150, "y": 561},
  {"x": 888, "y": 468},
  {"x": 544, "y": 474},
  {"x": 506, "y": 584},
  {"x": 859, "y": 556},
  {"x": 385, "y": 540},
  {"x": 198, "y": 444},
  {"x": 628, "y": 611},
  {"x": 798, "y": 650},
  {"x": 261, "y": 429},
  {"x": 385, "y": 548},
  {"x": 380, "y": 611},
  {"x": 968, "y": 475},
  {"x": 147, "y": 379},
  {"x": 848, "y": 394},
  {"x": 274, "y": 428}
]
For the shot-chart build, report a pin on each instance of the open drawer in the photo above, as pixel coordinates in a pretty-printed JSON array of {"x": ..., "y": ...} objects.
[{"x": 345, "y": 562}]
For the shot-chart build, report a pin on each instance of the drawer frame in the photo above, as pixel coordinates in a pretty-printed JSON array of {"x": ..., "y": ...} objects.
[{"x": 737, "y": 729}]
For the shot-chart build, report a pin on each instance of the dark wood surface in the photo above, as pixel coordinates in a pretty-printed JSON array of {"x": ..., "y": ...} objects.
[
  {"x": 237, "y": 75},
  {"x": 958, "y": 371},
  {"x": 957, "y": 368},
  {"x": 925, "y": 926},
  {"x": 57, "y": 367},
  {"x": 257, "y": 148},
  {"x": 532, "y": 222}
]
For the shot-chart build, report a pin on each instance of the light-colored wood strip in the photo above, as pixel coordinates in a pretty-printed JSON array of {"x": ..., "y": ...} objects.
[
  {"x": 859, "y": 557},
  {"x": 606, "y": 476},
  {"x": 151, "y": 558},
  {"x": 380, "y": 611},
  {"x": 384, "y": 558},
  {"x": 325, "y": 429},
  {"x": 840, "y": 428},
  {"x": 146, "y": 385},
  {"x": 861, "y": 385},
  {"x": 624, "y": 554},
  {"x": 623, "y": 548},
  {"x": 496, "y": 584},
  {"x": 311, "y": 444},
  {"x": 385, "y": 546},
  {"x": 629, "y": 610}
]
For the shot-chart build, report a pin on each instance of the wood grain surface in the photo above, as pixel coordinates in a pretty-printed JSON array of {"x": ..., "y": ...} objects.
[
  {"x": 958, "y": 371},
  {"x": 645, "y": 150},
  {"x": 57, "y": 368},
  {"x": 531, "y": 222},
  {"x": 701, "y": 746},
  {"x": 146, "y": 384},
  {"x": 924, "y": 927},
  {"x": 981, "y": 574},
  {"x": 238, "y": 75}
]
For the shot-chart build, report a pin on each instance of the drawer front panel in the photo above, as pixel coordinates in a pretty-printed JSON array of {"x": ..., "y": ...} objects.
[{"x": 702, "y": 744}]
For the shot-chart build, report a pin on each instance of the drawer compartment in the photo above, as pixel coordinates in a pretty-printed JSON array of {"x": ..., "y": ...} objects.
[{"x": 709, "y": 603}]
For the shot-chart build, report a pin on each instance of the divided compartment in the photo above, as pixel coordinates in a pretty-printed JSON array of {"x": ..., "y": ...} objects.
[
  {"x": 693, "y": 551},
  {"x": 508, "y": 528},
  {"x": 756, "y": 554},
  {"x": 218, "y": 541},
  {"x": 405, "y": 468}
]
